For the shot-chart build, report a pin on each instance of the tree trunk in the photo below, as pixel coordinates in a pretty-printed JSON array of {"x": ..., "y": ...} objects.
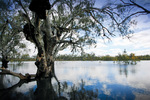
[
  {"x": 42, "y": 36},
  {"x": 44, "y": 90},
  {"x": 45, "y": 67},
  {"x": 5, "y": 61},
  {"x": 45, "y": 44}
]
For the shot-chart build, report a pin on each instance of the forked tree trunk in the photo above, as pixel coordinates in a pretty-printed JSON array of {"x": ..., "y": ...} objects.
[
  {"x": 45, "y": 61},
  {"x": 40, "y": 33}
]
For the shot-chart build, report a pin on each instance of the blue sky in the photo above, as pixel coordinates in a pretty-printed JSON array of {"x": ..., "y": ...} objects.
[{"x": 139, "y": 43}]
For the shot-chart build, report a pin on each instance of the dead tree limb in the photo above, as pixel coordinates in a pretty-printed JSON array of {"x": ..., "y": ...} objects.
[{"x": 19, "y": 75}]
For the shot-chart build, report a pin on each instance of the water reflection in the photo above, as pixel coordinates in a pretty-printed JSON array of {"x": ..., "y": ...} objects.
[
  {"x": 125, "y": 69},
  {"x": 103, "y": 81},
  {"x": 44, "y": 90}
]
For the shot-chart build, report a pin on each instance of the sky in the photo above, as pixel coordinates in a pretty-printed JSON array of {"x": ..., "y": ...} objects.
[{"x": 139, "y": 43}]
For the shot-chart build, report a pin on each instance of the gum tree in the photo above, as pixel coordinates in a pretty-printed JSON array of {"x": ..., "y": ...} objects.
[
  {"x": 59, "y": 24},
  {"x": 9, "y": 35}
]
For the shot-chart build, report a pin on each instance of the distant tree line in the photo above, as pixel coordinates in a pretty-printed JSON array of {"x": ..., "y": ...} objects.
[
  {"x": 92, "y": 57},
  {"x": 86, "y": 57},
  {"x": 144, "y": 57},
  {"x": 24, "y": 57}
]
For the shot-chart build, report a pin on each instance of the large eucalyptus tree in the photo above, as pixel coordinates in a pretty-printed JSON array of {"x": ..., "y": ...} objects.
[
  {"x": 59, "y": 24},
  {"x": 54, "y": 25}
]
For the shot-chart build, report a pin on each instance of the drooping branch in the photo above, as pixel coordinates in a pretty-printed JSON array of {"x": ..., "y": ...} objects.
[
  {"x": 19, "y": 75},
  {"x": 137, "y": 5},
  {"x": 26, "y": 13},
  {"x": 139, "y": 12},
  {"x": 103, "y": 27},
  {"x": 134, "y": 4}
]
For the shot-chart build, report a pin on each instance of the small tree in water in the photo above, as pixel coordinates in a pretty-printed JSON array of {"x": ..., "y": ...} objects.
[{"x": 126, "y": 59}]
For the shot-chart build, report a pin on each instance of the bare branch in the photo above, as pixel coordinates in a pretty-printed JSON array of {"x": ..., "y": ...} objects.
[
  {"x": 19, "y": 75},
  {"x": 140, "y": 12},
  {"x": 137, "y": 5},
  {"x": 70, "y": 42},
  {"x": 68, "y": 21},
  {"x": 112, "y": 16},
  {"x": 147, "y": 11}
]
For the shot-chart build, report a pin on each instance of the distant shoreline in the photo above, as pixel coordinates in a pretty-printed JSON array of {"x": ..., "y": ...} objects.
[{"x": 81, "y": 58}]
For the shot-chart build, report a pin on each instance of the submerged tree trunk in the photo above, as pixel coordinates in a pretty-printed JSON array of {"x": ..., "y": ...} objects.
[{"x": 45, "y": 90}]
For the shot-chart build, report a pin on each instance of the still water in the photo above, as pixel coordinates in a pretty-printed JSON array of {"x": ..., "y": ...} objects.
[{"x": 107, "y": 80}]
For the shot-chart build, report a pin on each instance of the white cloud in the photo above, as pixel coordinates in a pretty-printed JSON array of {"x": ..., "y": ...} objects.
[
  {"x": 89, "y": 71},
  {"x": 141, "y": 52},
  {"x": 139, "y": 43},
  {"x": 142, "y": 39}
]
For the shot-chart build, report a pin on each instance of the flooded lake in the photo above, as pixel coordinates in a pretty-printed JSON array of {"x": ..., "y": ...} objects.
[{"x": 107, "y": 80}]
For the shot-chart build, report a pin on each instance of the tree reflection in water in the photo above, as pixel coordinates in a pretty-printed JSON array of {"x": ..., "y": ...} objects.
[
  {"x": 46, "y": 91},
  {"x": 125, "y": 69}
]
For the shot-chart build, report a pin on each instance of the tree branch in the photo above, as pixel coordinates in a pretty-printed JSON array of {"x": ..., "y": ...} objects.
[
  {"x": 70, "y": 42},
  {"x": 27, "y": 16},
  {"x": 135, "y": 4},
  {"x": 140, "y": 12},
  {"x": 103, "y": 27},
  {"x": 19, "y": 75}
]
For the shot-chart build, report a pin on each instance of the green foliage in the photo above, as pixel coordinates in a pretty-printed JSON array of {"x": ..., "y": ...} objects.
[
  {"x": 107, "y": 58},
  {"x": 82, "y": 22},
  {"x": 85, "y": 57},
  {"x": 126, "y": 59},
  {"x": 144, "y": 57},
  {"x": 25, "y": 56},
  {"x": 10, "y": 36}
]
